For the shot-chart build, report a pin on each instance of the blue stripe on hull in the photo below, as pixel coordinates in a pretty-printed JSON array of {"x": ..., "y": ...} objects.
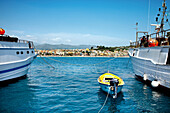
[{"x": 8, "y": 70}]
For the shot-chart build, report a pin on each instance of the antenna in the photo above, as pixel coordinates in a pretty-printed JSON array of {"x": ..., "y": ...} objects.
[{"x": 148, "y": 28}]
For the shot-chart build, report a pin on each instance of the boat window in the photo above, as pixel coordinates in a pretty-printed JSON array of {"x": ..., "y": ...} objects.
[
  {"x": 133, "y": 52},
  {"x": 32, "y": 51},
  {"x": 27, "y": 52},
  {"x": 21, "y": 52},
  {"x": 17, "y": 52}
]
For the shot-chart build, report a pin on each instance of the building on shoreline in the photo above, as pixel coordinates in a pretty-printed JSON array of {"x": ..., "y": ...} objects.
[{"x": 83, "y": 52}]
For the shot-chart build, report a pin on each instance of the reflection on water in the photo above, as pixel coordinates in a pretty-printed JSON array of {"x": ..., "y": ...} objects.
[
  {"x": 17, "y": 97},
  {"x": 148, "y": 100},
  {"x": 72, "y": 88},
  {"x": 111, "y": 104},
  {"x": 155, "y": 95}
]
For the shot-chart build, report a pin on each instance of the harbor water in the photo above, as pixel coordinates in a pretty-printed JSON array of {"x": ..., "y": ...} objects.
[{"x": 74, "y": 88}]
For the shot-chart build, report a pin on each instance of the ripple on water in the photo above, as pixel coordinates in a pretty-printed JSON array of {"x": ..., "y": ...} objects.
[{"x": 72, "y": 88}]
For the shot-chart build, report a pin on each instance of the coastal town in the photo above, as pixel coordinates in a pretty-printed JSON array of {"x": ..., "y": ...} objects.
[{"x": 92, "y": 52}]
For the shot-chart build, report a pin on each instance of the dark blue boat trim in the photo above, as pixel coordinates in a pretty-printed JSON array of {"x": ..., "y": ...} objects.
[
  {"x": 104, "y": 84},
  {"x": 8, "y": 70}
]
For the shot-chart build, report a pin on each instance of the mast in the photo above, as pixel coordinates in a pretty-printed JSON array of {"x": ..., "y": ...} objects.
[
  {"x": 136, "y": 34},
  {"x": 162, "y": 21}
]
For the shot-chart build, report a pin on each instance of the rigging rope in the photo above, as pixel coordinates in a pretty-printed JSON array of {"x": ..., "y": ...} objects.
[{"x": 105, "y": 100}]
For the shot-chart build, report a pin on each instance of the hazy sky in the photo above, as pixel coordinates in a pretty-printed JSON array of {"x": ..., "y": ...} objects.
[{"x": 75, "y": 22}]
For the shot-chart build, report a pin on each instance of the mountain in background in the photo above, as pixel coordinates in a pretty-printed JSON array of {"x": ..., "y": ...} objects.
[{"x": 62, "y": 46}]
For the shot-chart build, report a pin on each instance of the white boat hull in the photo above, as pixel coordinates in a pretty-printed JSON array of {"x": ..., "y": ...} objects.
[
  {"x": 14, "y": 70},
  {"x": 151, "y": 66},
  {"x": 15, "y": 60}
]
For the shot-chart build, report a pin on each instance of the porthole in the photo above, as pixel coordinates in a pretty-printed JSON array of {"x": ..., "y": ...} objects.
[
  {"x": 21, "y": 52},
  {"x": 27, "y": 52},
  {"x": 32, "y": 51},
  {"x": 17, "y": 52}
]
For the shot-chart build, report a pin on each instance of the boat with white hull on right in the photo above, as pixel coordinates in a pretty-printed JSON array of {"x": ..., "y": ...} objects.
[
  {"x": 151, "y": 57},
  {"x": 152, "y": 64}
]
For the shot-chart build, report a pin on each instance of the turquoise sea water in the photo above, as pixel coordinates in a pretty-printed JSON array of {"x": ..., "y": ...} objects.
[{"x": 74, "y": 89}]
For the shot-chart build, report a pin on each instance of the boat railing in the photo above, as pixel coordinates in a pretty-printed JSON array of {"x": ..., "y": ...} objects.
[
  {"x": 134, "y": 44},
  {"x": 6, "y": 38},
  {"x": 30, "y": 43},
  {"x": 162, "y": 38}
]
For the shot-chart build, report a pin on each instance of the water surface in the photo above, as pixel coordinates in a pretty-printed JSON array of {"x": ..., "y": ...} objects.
[{"x": 74, "y": 88}]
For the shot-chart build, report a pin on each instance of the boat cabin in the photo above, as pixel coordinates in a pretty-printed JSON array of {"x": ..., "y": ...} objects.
[
  {"x": 8, "y": 39},
  {"x": 14, "y": 41}
]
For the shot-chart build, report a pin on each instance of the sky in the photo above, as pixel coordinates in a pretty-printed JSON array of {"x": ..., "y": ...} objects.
[{"x": 78, "y": 22}]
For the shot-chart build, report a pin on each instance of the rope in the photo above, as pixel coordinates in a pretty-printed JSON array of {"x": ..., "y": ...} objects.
[
  {"x": 44, "y": 60},
  {"x": 82, "y": 73},
  {"x": 105, "y": 101},
  {"x": 64, "y": 70},
  {"x": 127, "y": 63},
  {"x": 48, "y": 63},
  {"x": 81, "y": 64},
  {"x": 73, "y": 64},
  {"x": 41, "y": 62}
]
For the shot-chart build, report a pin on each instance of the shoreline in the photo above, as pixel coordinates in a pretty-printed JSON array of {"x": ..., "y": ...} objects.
[{"x": 88, "y": 56}]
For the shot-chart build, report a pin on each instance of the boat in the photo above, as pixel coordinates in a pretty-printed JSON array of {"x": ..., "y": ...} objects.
[
  {"x": 16, "y": 57},
  {"x": 150, "y": 54},
  {"x": 111, "y": 84}
]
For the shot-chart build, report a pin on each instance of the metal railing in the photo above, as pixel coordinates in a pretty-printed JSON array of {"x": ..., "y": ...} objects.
[
  {"x": 7, "y": 38},
  {"x": 163, "y": 38},
  {"x": 30, "y": 43}
]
